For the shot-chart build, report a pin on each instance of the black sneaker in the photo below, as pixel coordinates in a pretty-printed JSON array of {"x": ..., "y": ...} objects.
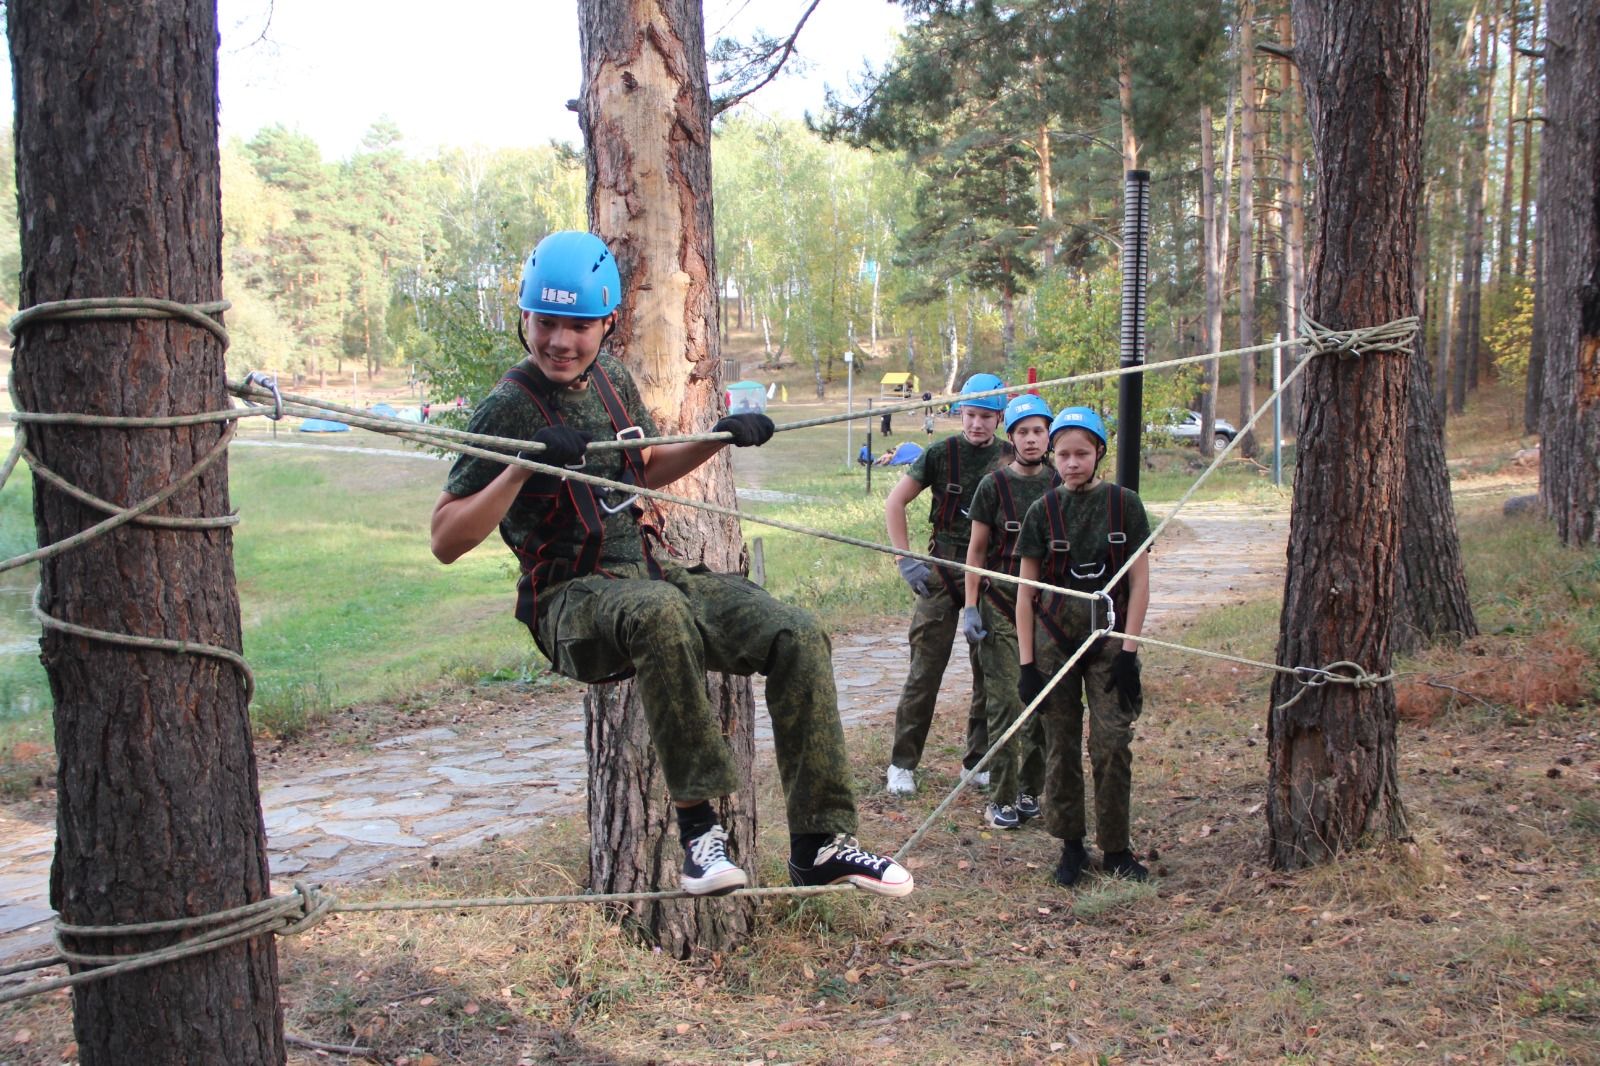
[
  {"x": 706, "y": 869},
  {"x": 1027, "y": 807},
  {"x": 841, "y": 859},
  {"x": 1123, "y": 864},
  {"x": 998, "y": 816},
  {"x": 1074, "y": 860}
]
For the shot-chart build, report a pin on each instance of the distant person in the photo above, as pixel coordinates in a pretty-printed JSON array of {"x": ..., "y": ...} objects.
[
  {"x": 426, "y": 407},
  {"x": 988, "y": 620},
  {"x": 601, "y": 606},
  {"x": 886, "y": 424},
  {"x": 952, "y": 470},
  {"x": 1076, "y": 537},
  {"x": 927, "y": 415}
]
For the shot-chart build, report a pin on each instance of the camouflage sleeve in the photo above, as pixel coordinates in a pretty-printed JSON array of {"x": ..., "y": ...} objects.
[
  {"x": 925, "y": 468},
  {"x": 495, "y": 415},
  {"x": 1035, "y": 537},
  {"x": 986, "y": 502}
]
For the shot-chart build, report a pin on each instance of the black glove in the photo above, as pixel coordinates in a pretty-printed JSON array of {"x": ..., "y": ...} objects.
[
  {"x": 748, "y": 430},
  {"x": 1030, "y": 682},
  {"x": 563, "y": 446},
  {"x": 1125, "y": 675}
]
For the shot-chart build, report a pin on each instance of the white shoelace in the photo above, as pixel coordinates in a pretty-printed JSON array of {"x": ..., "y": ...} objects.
[
  {"x": 846, "y": 849},
  {"x": 709, "y": 848}
]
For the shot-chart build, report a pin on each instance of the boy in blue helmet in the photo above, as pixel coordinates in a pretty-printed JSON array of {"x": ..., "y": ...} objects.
[
  {"x": 988, "y": 620},
  {"x": 1076, "y": 537},
  {"x": 952, "y": 469},
  {"x": 601, "y": 607}
]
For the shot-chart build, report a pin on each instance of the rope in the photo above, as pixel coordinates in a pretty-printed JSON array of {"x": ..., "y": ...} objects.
[
  {"x": 308, "y": 906},
  {"x": 1027, "y": 712},
  {"x": 122, "y": 518},
  {"x": 180, "y": 647},
  {"x": 125, "y": 307}
]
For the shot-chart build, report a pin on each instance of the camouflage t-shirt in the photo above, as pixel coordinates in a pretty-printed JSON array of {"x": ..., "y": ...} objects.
[
  {"x": 508, "y": 412},
  {"x": 1086, "y": 520},
  {"x": 931, "y": 469},
  {"x": 987, "y": 507}
]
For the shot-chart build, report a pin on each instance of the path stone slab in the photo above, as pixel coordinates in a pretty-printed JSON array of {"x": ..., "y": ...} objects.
[
  {"x": 412, "y": 806},
  {"x": 474, "y": 778},
  {"x": 286, "y": 865},
  {"x": 325, "y": 849},
  {"x": 421, "y": 736},
  {"x": 22, "y": 915},
  {"x": 381, "y": 831}
]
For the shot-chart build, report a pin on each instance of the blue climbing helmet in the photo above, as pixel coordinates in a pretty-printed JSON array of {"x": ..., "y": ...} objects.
[
  {"x": 1079, "y": 418},
  {"x": 982, "y": 383},
  {"x": 572, "y": 274},
  {"x": 1026, "y": 405}
]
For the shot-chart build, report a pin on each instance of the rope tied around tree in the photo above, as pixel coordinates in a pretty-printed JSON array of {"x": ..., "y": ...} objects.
[{"x": 308, "y": 906}]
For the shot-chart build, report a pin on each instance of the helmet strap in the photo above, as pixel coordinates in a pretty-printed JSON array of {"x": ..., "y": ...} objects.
[{"x": 522, "y": 335}]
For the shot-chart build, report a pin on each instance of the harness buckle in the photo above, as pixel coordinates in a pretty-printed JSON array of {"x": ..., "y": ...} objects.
[
  {"x": 1012, "y": 527},
  {"x": 953, "y": 489},
  {"x": 1060, "y": 546},
  {"x": 1088, "y": 571},
  {"x": 631, "y": 433},
  {"x": 1116, "y": 537}
]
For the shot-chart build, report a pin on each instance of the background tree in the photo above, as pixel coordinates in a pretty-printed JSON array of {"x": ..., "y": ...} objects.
[
  {"x": 1333, "y": 776},
  {"x": 646, "y": 117},
  {"x": 1569, "y": 200},
  {"x": 157, "y": 814}
]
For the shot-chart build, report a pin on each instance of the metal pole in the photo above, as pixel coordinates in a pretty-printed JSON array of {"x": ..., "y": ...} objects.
[
  {"x": 1277, "y": 410},
  {"x": 1135, "y": 283},
  {"x": 850, "y": 409},
  {"x": 871, "y": 455}
]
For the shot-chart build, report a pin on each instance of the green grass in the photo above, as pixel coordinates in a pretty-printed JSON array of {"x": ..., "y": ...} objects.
[{"x": 341, "y": 600}]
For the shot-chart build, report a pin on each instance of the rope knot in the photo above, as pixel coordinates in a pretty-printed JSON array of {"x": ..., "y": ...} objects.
[
  {"x": 1390, "y": 337},
  {"x": 315, "y": 907}
]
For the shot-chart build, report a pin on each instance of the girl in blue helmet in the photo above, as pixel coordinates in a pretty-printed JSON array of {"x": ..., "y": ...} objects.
[
  {"x": 988, "y": 620},
  {"x": 952, "y": 469},
  {"x": 602, "y": 607},
  {"x": 1077, "y": 536}
]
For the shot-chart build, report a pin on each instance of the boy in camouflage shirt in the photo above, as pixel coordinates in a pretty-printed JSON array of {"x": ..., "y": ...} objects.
[
  {"x": 601, "y": 606},
  {"x": 988, "y": 620},
  {"x": 1076, "y": 537},
  {"x": 952, "y": 468}
]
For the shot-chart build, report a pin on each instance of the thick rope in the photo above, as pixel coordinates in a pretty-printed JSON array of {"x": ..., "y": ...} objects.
[
  {"x": 308, "y": 907},
  {"x": 124, "y": 307}
]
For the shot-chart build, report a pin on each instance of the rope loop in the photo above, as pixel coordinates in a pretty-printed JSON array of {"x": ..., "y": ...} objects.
[
  {"x": 125, "y": 307},
  {"x": 1390, "y": 337},
  {"x": 314, "y": 908}
]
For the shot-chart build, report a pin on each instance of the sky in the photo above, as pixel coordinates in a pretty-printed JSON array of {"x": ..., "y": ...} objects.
[{"x": 496, "y": 73}]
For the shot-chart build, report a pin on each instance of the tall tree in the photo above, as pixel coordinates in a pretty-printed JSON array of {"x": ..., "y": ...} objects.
[
  {"x": 1247, "y": 222},
  {"x": 646, "y": 118},
  {"x": 1569, "y": 207},
  {"x": 158, "y": 815},
  {"x": 1333, "y": 760}
]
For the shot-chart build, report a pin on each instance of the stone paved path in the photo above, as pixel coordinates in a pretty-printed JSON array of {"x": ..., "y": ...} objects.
[{"x": 431, "y": 792}]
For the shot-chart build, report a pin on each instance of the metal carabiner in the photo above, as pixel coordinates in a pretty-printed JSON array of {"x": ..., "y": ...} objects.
[{"x": 268, "y": 381}]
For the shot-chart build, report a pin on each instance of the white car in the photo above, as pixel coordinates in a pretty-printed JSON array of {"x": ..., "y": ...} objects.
[{"x": 1184, "y": 426}]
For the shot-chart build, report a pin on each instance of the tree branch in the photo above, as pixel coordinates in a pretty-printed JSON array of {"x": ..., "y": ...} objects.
[
  {"x": 1277, "y": 50},
  {"x": 722, "y": 104}
]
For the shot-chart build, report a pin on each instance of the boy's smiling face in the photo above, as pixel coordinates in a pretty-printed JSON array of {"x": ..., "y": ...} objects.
[
  {"x": 1076, "y": 453},
  {"x": 978, "y": 425},
  {"x": 563, "y": 348}
]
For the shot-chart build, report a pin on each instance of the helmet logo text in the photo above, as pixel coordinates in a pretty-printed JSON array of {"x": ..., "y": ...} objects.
[{"x": 558, "y": 296}]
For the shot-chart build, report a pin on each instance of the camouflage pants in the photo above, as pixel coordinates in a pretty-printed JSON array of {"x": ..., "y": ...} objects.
[
  {"x": 1019, "y": 766},
  {"x": 934, "y": 623},
  {"x": 671, "y": 632},
  {"x": 1111, "y": 721}
]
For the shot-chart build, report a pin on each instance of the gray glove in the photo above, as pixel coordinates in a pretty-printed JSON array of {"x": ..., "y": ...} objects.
[
  {"x": 972, "y": 625},
  {"x": 916, "y": 573}
]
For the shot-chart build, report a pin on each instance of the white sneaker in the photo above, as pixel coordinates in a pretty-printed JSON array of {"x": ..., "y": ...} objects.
[
  {"x": 706, "y": 869},
  {"x": 979, "y": 780},
  {"x": 901, "y": 781}
]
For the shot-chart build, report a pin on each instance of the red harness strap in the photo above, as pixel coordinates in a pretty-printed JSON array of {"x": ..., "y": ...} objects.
[{"x": 1003, "y": 541}]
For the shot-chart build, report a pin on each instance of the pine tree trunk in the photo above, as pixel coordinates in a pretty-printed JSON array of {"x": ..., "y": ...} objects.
[
  {"x": 1569, "y": 203},
  {"x": 1524, "y": 202},
  {"x": 1247, "y": 210},
  {"x": 1508, "y": 175},
  {"x": 1333, "y": 758},
  {"x": 1211, "y": 275},
  {"x": 1431, "y": 600},
  {"x": 1295, "y": 240},
  {"x": 158, "y": 815},
  {"x": 647, "y": 130}
]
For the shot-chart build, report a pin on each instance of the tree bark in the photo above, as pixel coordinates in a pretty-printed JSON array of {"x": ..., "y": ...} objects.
[
  {"x": 1211, "y": 277},
  {"x": 1569, "y": 203},
  {"x": 1295, "y": 210},
  {"x": 158, "y": 815},
  {"x": 1431, "y": 600},
  {"x": 1333, "y": 758},
  {"x": 1508, "y": 174},
  {"x": 646, "y": 118}
]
